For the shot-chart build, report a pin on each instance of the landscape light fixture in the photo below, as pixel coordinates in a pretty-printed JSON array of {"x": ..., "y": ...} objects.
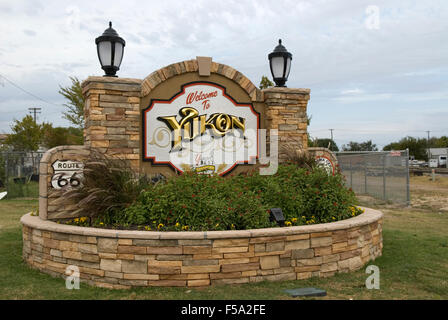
[
  {"x": 280, "y": 63},
  {"x": 276, "y": 214},
  {"x": 110, "y": 48}
]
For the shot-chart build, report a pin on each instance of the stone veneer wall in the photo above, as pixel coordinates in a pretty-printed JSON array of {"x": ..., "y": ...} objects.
[
  {"x": 111, "y": 113},
  {"x": 286, "y": 112},
  {"x": 124, "y": 259},
  {"x": 50, "y": 206},
  {"x": 324, "y": 152}
]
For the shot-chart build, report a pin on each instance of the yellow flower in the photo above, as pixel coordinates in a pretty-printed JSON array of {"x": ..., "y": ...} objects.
[
  {"x": 185, "y": 228},
  {"x": 101, "y": 223},
  {"x": 232, "y": 226},
  {"x": 160, "y": 226},
  {"x": 294, "y": 219},
  {"x": 303, "y": 217},
  {"x": 147, "y": 228},
  {"x": 217, "y": 225},
  {"x": 76, "y": 219},
  {"x": 333, "y": 218},
  {"x": 288, "y": 223},
  {"x": 177, "y": 224}
]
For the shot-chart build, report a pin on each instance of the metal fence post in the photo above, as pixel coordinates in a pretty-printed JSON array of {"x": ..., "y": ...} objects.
[
  {"x": 365, "y": 174},
  {"x": 351, "y": 174},
  {"x": 6, "y": 174},
  {"x": 384, "y": 176},
  {"x": 408, "y": 194}
]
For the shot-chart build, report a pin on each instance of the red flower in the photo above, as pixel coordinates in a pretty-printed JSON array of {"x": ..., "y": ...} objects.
[{"x": 193, "y": 195}]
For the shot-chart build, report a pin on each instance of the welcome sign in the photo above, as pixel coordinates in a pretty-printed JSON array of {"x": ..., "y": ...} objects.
[{"x": 201, "y": 129}]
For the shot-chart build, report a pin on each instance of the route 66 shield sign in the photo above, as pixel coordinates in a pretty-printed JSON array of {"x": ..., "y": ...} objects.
[
  {"x": 326, "y": 164},
  {"x": 67, "y": 173}
]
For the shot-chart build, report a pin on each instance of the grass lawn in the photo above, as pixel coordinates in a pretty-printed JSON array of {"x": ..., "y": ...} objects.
[{"x": 414, "y": 264}]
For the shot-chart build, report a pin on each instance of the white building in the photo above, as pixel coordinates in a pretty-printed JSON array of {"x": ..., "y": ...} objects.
[{"x": 434, "y": 153}]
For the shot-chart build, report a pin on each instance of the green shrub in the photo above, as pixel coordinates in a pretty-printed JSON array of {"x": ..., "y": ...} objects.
[
  {"x": 109, "y": 186},
  {"x": 200, "y": 202}
]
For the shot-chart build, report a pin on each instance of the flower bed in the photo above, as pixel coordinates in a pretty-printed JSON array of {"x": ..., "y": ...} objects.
[
  {"x": 113, "y": 198},
  {"x": 124, "y": 259}
]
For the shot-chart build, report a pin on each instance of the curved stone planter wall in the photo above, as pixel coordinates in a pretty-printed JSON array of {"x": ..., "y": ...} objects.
[{"x": 123, "y": 259}]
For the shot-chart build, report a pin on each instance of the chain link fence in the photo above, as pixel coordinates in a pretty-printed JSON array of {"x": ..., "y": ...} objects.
[
  {"x": 19, "y": 174},
  {"x": 382, "y": 175}
]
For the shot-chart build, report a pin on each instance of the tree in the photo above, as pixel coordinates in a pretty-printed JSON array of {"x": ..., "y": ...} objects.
[
  {"x": 417, "y": 147},
  {"x": 75, "y": 106},
  {"x": 363, "y": 146},
  {"x": 26, "y": 135},
  {"x": 324, "y": 143},
  {"x": 265, "y": 83},
  {"x": 60, "y": 136},
  {"x": 441, "y": 142}
]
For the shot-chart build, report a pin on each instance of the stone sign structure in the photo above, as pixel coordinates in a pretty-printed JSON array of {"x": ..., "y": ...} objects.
[
  {"x": 193, "y": 115},
  {"x": 121, "y": 114}
]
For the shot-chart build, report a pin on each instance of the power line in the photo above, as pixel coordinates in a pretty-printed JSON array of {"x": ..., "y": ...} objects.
[{"x": 27, "y": 92}]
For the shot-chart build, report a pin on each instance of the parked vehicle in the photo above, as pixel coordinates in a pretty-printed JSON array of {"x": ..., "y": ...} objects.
[
  {"x": 439, "y": 162},
  {"x": 433, "y": 163},
  {"x": 442, "y": 161}
]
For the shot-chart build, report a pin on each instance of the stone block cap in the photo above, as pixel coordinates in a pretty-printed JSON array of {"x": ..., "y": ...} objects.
[{"x": 368, "y": 217}]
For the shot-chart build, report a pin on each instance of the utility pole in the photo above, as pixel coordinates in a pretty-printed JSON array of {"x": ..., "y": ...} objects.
[
  {"x": 427, "y": 145},
  {"x": 35, "y": 111},
  {"x": 331, "y": 130}
]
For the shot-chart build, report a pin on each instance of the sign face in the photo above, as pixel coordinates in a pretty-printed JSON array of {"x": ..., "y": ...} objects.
[
  {"x": 326, "y": 164},
  {"x": 67, "y": 173},
  {"x": 200, "y": 129}
]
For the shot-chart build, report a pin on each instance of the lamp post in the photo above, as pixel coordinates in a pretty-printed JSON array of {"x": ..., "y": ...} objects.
[
  {"x": 280, "y": 63},
  {"x": 110, "y": 49}
]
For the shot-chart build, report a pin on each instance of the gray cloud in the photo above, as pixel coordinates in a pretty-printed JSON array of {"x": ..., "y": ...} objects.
[
  {"x": 389, "y": 75},
  {"x": 30, "y": 33}
]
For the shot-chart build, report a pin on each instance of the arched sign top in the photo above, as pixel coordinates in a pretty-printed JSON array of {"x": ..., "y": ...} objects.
[{"x": 179, "y": 68}]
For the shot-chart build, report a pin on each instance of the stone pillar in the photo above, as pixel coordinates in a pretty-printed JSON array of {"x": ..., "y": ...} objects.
[
  {"x": 112, "y": 113},
  {"x": 286, "y": 111}
]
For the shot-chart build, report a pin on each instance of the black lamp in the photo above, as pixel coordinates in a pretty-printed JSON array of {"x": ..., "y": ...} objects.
[
  {"x": 276, "y": 214},
  {"x": 110, "y": 48},
  {"x": 280, "y": 63}
]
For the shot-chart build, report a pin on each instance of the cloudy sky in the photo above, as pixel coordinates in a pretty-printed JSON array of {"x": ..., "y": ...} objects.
[{"x": 376, "y": 69}]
